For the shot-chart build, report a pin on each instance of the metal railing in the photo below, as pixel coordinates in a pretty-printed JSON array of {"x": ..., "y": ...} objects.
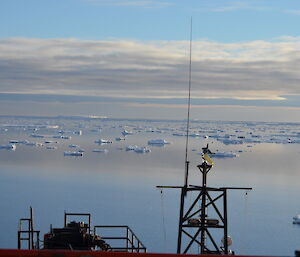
[{"x": 126, "y": 242}]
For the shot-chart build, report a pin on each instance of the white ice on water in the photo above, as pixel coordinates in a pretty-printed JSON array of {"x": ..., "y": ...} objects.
[
  {"x": 125, "y": 132},
  {"x": 8, "y": 147},
  {"x": 158, "y": 142},
  {"x": 73, "y": 154},
  {"x": 103, "y": 141}
]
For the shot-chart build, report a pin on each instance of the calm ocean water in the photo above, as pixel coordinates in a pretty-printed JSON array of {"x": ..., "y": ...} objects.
[{"x": 119, "y": 186}]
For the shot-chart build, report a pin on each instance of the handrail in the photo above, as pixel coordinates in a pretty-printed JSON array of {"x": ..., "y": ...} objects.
[{"x": 132, "y": 242}]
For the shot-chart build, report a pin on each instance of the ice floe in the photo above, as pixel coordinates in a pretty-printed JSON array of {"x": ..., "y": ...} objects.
[
  {"x": 62, "y": 137},
  {"x": 158, "y": 142},
  {"x": 14, "y": 141},
  {"x": 103, "y": 141},
  {"x": 120, "y": 138},
  {"x": 37, "y": 136},
  {"x": 8, "y": 147},
  {"x": 142, "y": 150},
  {"x": 231, "y": 141},
  {"x": 125, "y": 132},
  {"x": 78, "y": 132},
  {"x": 296, "y": 219},
  {"x": 137, "y": 149},
  {"x": 224, "y": 155},
  {"x": 73, "y": 154},
  {"x": 33, "y": 144},
  {"x": 131, "y": 147}
]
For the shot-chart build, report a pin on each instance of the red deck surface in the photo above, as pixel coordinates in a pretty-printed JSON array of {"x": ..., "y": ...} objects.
[{"x": 63, "y": 253}]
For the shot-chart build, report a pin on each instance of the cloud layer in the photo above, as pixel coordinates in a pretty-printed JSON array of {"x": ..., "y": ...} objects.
[{"x": 156, "y": 69}]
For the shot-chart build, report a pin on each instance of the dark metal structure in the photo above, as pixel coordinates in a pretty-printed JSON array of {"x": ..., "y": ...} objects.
[
  {"x": 205, "y": 217},
  {"x": 27, "y": 233},
  {"x": 78, "y": 235}
]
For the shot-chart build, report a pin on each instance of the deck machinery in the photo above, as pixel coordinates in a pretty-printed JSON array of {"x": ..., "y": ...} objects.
[
  {"x": 198, "y": 230},
  {"x": 78, "y": 235}
]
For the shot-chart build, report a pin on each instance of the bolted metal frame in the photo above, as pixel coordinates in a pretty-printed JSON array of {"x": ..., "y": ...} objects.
[{"x": 208, "y": 198}]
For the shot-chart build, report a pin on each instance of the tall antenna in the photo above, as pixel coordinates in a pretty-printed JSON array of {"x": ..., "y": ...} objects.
[
  {"x": 189, "y": 107},
  {"x": 196, "y": 228}
]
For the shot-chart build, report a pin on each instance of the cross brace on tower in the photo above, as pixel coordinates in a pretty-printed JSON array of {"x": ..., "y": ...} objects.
[{"x": 196, "y": 228}]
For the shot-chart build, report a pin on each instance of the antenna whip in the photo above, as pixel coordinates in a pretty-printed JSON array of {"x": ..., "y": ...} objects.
[{"x": 189, "y": 107}]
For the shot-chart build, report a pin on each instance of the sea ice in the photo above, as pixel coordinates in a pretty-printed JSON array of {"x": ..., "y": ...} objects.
[
  {"x": 103, "y": 141},
  {"x": 231, "y": 141},
  {"x": 296, "y": 219},
  {"x": 14, "y": 141},
  {"x": 142, "y": 150},
  {"x": 158, "y": 142},
  {"x": 62, "y": 137},
  {"x": 131, "y": 147},
  {"x": 177, "y": 134},
  {"x": 125, "y": 132},
  {"x": 65, "y": 137},
  {"x": 120, "y": 138},
  {"x": 37, "y": 136},
  {"x": 33, "y": 144},
  {"x": 51, "y": 147},
  {"x": 73, "y": 146},
  {"x": 73, "y": 154},
  {"x": 8, "y": 147},
  {"x": 224, "y": 155},
  {"x": 78, "y": 132}
]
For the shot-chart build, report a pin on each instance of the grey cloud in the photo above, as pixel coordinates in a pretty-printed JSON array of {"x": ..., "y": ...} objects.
[{"x": 149, "y": 69}]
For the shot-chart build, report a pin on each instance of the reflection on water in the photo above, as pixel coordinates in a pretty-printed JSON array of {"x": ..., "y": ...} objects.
[{"x": 118, "y": 187}]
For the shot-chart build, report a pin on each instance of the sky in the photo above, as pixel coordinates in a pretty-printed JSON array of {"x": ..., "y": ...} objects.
[{"x": 130, "y": 58}]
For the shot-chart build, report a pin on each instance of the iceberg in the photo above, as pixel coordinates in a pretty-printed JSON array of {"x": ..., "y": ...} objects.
[
  {"x": 120, "y": 138},
  {"x": 224, "y": 155},
  {"x": 125, "y": 132},
  {"x": 231, "y": 141},
  {"x": 8, "y": 147},
  {"x": 14, "y": 141},
  {"x": 179, "y": 134},
  {"x": 33, "y": 144},
  {"x": 131, "y": 147},
  {"x": 37, "y": 136},
  {"x": 296, "y": 219},
  {"x": 135, "y": 148},
  {"x": 65, "y": 137},
  {"x": 73, "y": 154},
  {"x": 103, "y": 141},
  {"x": 158, "y": 142},
  {"x": 78, "y": 132},
  {"x": 62, "y": 137},
  {"x": 195, "y": 135},
  {"x": 142, "y": 150}
]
